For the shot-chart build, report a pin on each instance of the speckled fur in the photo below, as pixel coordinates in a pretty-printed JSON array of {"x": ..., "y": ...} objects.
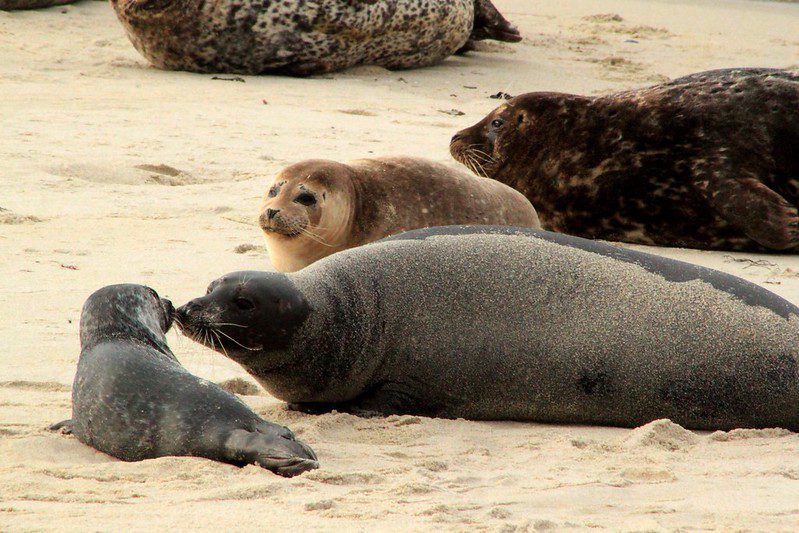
[
  {"x": 506, "y": 323},
  {"x": 299, "y": 37},
  {"x": 710, "y": 160}
]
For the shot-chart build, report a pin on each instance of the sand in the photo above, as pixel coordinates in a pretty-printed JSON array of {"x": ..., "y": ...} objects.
[{"x": 112, "y": 171}]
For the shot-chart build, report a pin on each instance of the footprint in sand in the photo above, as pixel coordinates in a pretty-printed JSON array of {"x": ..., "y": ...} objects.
[{"x": 143, "y": 174}]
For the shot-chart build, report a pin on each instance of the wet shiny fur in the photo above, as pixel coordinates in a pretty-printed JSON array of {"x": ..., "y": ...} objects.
[
  {"x": 709, "y": 161},
  {"x": 133, "y": 400}
]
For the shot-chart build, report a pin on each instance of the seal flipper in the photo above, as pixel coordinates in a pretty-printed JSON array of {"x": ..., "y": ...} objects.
[
  {"x": 763, "y": 215},
  {"x": 66, "y": 427},
  {"x": 282, "y": 455},
  {"x": 490, "y": 24}
]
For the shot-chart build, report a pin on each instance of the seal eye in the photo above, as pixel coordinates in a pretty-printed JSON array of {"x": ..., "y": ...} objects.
[
  {"x": 244, "y": 304},
  {"x": 306, "y": 198},
  {"x": 273, "y": 191},
  {"x": 497, "y": 123}
]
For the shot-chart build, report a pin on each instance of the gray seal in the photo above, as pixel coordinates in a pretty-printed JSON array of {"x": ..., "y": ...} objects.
[
  {"x": 304, "y": 37},
  {"x": 498, "y": 323},
  {"x": 132, "y": 399}
]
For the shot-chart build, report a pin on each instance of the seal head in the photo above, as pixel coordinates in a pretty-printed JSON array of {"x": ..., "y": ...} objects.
[
  {"x": 245, "y": 313},
  {"x": 127, "y": 310},
  {"x": 307, "y": 213}
]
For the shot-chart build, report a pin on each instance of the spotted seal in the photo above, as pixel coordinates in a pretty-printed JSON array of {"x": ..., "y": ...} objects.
[
  {"x": 132, "y": 399},
  {"x": 317, "y": 207},
  {"x": 305, "y": 37},
  {"x": 710, "y": 160},
  {"x": 498, "y": 323}
]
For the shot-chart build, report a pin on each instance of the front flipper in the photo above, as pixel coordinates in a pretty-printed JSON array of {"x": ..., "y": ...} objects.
[
  {"x": 65, "y": 427},
  {"x": 490, "y": 24},
  {"x": 276, "y": 451},
  {"x": 762, "y": 214}
]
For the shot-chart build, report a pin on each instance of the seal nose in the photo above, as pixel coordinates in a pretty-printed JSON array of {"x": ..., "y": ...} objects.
[
  {"x": 184, "y": 312},
  {"x": 270, "y": 213},
  {"x": 457, "y": 137}
]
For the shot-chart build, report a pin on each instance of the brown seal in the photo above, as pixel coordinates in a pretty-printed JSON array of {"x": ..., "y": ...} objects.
[
  {"x": 710, "y": 160},
  {"x": 303, "y": 37},
  {"x": 317, "y": 207}
]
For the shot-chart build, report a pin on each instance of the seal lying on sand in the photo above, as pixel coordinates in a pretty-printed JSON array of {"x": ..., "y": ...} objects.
[
  {"x": 498, "y": 323},
  {"x": 10, "y": 5},
  {"x": 709, "y": 161},
  {"x": 304, "y": 37},
  {"x": 315, "y": 208},
  {"x": 133, "y": 400}
]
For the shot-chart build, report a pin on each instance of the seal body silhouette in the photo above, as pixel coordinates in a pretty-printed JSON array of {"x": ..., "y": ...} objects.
[
  {"x": 315, "y": 208},
  {"x": 133, "y": 400},
  {"x": 304, "y": 37},
  {"x": 710, "y": 160},
  {"x": 498, "y": 323}
]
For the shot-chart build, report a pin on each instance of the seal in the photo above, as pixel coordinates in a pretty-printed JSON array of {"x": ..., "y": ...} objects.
[
  {"x": 11, "y": 5},
  {"x": 708, "y": 161},
  {"x": 132, "y": 399},
  {"x": 499, "y": 323},
  {"x": 317, "y": 207},
  {"x": 305, "y": 37}
]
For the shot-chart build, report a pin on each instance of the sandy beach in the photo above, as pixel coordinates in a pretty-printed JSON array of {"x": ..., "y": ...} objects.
[{"x": 112, "y": 171}]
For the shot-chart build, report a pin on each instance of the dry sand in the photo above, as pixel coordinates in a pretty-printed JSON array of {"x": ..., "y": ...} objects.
[{"x": 112, "y": 171}]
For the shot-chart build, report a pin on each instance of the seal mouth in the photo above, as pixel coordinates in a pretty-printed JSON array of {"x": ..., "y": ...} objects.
[
  {"x": 474, "y": 156},
  {"x": 284, "y": 232},
  {"x": 194, "y": 324}
]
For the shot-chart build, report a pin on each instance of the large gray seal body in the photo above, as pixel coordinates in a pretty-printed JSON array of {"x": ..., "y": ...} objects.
[
  {"x": 493, "y": 323},
  {"x": 132, "y": 399},
  {"x": 303, "y": 37}
]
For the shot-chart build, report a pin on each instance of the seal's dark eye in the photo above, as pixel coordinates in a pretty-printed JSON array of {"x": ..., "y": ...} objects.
[
  {"x": 306, "y": 198},
  {"x": 497, "y": 123},
  {"x": 273, "y": 191},
  {"x": 244, "y": 304}
]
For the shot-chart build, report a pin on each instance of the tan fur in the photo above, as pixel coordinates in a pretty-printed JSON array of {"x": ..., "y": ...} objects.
[{"x": 368, "y": 199}]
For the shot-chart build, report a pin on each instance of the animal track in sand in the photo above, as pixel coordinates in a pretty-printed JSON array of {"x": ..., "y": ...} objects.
[
  {"x": 50, "y": 386},
  {"x": 11, "y": 218},
  {"x": 142, "y": 174}
]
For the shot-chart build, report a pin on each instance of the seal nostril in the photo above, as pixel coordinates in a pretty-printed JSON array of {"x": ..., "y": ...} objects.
[
  {"x": 456, "y": 137},
  {"x": 270, "y": 213}
]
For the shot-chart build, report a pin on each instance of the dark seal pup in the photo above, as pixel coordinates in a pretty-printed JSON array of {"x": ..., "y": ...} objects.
[
  {"x": 304, "y": 37},
  {"x": 498, "y": 323},
  {"x": 133, "y": 400},
  {"x": 708, "y": 161}
]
